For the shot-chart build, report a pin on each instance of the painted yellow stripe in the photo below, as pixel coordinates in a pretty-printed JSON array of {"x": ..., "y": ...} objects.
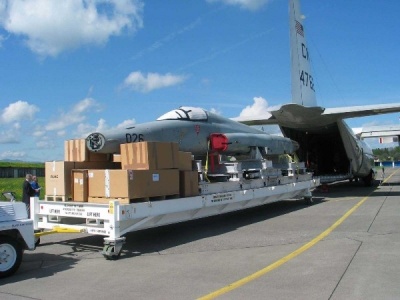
[{"x": 285, "y": 259}]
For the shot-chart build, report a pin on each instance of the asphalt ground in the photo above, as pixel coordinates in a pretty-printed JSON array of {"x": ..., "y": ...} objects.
[{"x": 345, "y": 246}]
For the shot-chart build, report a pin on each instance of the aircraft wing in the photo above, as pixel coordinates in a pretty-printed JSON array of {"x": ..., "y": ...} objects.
[
  {"x": 380, "y": 131},
  {"x": 257, "y": 120},
  {"x": 361, "y": 111},
  {"x": 313, "y": 116}
]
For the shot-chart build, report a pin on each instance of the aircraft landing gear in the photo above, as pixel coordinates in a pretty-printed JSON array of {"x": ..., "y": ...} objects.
[{"x": 369, "y": 179}]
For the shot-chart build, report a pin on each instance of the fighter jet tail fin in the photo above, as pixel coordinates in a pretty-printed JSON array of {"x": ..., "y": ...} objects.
[{"x": 303, "y": 88}]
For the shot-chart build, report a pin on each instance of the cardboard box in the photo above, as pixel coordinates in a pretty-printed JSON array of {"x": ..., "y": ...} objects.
[
  {"x": 104, "y": 200},
  {"x": 58, "y": 175},
  {"x": 133, "y": 184},
  {"x": 80, "y": 185},
  {"x": 76, "y": 151},
  {"x": 117, "y": 158},
  {"x": 188, "y": 183},
  {"x": 149, "y": 156},
  {"x": 185, "y": 161}
]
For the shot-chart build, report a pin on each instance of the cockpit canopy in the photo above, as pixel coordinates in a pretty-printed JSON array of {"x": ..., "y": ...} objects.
[{"x": 185, "y": 113}]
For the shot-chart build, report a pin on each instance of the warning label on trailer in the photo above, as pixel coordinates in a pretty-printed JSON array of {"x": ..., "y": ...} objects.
[
  {"x": 74, "y": 211},
  {"x": 222, "y": 197}
]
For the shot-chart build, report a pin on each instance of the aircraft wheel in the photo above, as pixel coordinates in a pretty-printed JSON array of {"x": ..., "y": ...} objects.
[
  {"x": 369, "y": 179},
  {"x": 10, "y": 256}
]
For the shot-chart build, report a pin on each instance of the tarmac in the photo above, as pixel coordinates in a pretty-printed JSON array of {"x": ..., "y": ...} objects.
[{"x": 344, "y": 246}]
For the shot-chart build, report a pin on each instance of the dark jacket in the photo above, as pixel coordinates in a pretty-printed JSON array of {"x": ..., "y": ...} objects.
[{"x": 27, "y": 192}]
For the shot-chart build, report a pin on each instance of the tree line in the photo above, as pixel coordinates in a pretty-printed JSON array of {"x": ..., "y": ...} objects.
[{"x": 387, "y": 154}]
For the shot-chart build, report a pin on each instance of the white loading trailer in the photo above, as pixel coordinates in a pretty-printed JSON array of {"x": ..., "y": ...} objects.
[{"x": 114, "y": 220}]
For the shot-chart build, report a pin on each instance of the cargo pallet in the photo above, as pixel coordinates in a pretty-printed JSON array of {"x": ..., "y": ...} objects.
[{"x": 114, "y": 220}]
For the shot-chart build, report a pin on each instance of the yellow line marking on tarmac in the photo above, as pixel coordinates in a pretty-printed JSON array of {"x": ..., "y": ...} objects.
[
  {"x": 344, "y": 199},
  {"x": 288, "y": 257}
]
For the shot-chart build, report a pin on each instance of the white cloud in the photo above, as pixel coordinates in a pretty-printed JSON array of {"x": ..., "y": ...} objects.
[
  {"x": 246, "y": 4},
  {"x": 12, "y": 154},
  {"x": 152, "y": 81},
  {"x": 50, "y": 27},
  {"x": 83, "y": 129},
  {"x": 2, "y": 38},
  {"x": 258, "y": 109},
  {"x": 18, "y": 112},
  {"x": 215, "y": 111},
  {"x": 9, "y": 137},
  {"x": 38, "y": 132},
  {"x": 73, "y": 116},
  {"x": 61, "y": 133},
  {"x": 126, "y": 124},
  {"x": 45, "y": 144}
]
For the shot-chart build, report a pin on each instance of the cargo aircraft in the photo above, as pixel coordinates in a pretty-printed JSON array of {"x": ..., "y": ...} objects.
[{"x": 327, "y": 144}]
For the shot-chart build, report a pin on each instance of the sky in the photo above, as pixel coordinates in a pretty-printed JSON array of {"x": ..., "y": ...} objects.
[{"x": 71, "y": 67}]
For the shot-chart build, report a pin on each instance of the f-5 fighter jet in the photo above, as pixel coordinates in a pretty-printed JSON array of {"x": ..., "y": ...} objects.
[{"x": 198, "y": 131}]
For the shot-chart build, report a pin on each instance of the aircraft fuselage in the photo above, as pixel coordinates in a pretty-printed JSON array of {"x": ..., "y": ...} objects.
[{"x": 193, "y": 135}]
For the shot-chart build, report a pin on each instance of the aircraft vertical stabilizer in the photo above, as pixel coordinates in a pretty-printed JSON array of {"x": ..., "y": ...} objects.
[{"x": 303, "y": 92}]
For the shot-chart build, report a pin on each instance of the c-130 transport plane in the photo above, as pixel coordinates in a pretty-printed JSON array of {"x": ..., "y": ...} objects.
[{"x": 327, "y": 144}]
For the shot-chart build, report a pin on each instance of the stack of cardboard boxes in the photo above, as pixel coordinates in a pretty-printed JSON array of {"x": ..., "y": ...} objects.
[
  {"x": 60, "y": 180},
  {"x": 141, "y": 171}
]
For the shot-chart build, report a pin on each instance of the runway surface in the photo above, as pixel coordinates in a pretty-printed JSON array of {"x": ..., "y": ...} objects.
[{"x": 345, "y": 246}]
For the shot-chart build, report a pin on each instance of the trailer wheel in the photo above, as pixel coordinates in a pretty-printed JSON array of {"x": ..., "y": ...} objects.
[
  {"x": 10, "y": 256},
  {"x": 309, "y": 200},
  {"x": 109, "y": 252}
]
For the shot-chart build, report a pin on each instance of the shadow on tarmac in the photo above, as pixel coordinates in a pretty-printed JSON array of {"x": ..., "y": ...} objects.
[
  {"x": 150, "y": 241},
  {"x": 162, "y": 238},
  {"x": 346, "y": 189},
  {"x": 40, "y": 265}
]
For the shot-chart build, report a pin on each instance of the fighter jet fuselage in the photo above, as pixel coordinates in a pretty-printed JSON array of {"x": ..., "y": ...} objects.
[{"x": 197, "y": 131}]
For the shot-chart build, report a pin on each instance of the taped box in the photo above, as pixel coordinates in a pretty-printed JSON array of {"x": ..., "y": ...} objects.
[
  {"x": 132, "y": 184},
  {"x": 117, "y": 158},
  {"x": 149, "y": 156},
  {"x": 76, "y": 151},
  {"x": 185, "y": 161},
  {"x": 58, "y": 175},
  {"x": 80, "y": 185},
  {"x": 188, "y": 183}
]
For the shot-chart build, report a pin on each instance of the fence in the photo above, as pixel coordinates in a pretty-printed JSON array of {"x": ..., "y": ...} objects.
[
  {"x": 11, "y": 172},
  {"x": 388, "y": 164}
]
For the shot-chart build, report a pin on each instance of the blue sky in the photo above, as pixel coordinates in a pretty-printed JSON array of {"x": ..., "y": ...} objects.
[{"x": 72, "y": 67}]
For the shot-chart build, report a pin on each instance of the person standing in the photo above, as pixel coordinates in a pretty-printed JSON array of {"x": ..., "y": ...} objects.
[
  {"x": 27, "y": 193},
  {"x": 35, "y": 185}
]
